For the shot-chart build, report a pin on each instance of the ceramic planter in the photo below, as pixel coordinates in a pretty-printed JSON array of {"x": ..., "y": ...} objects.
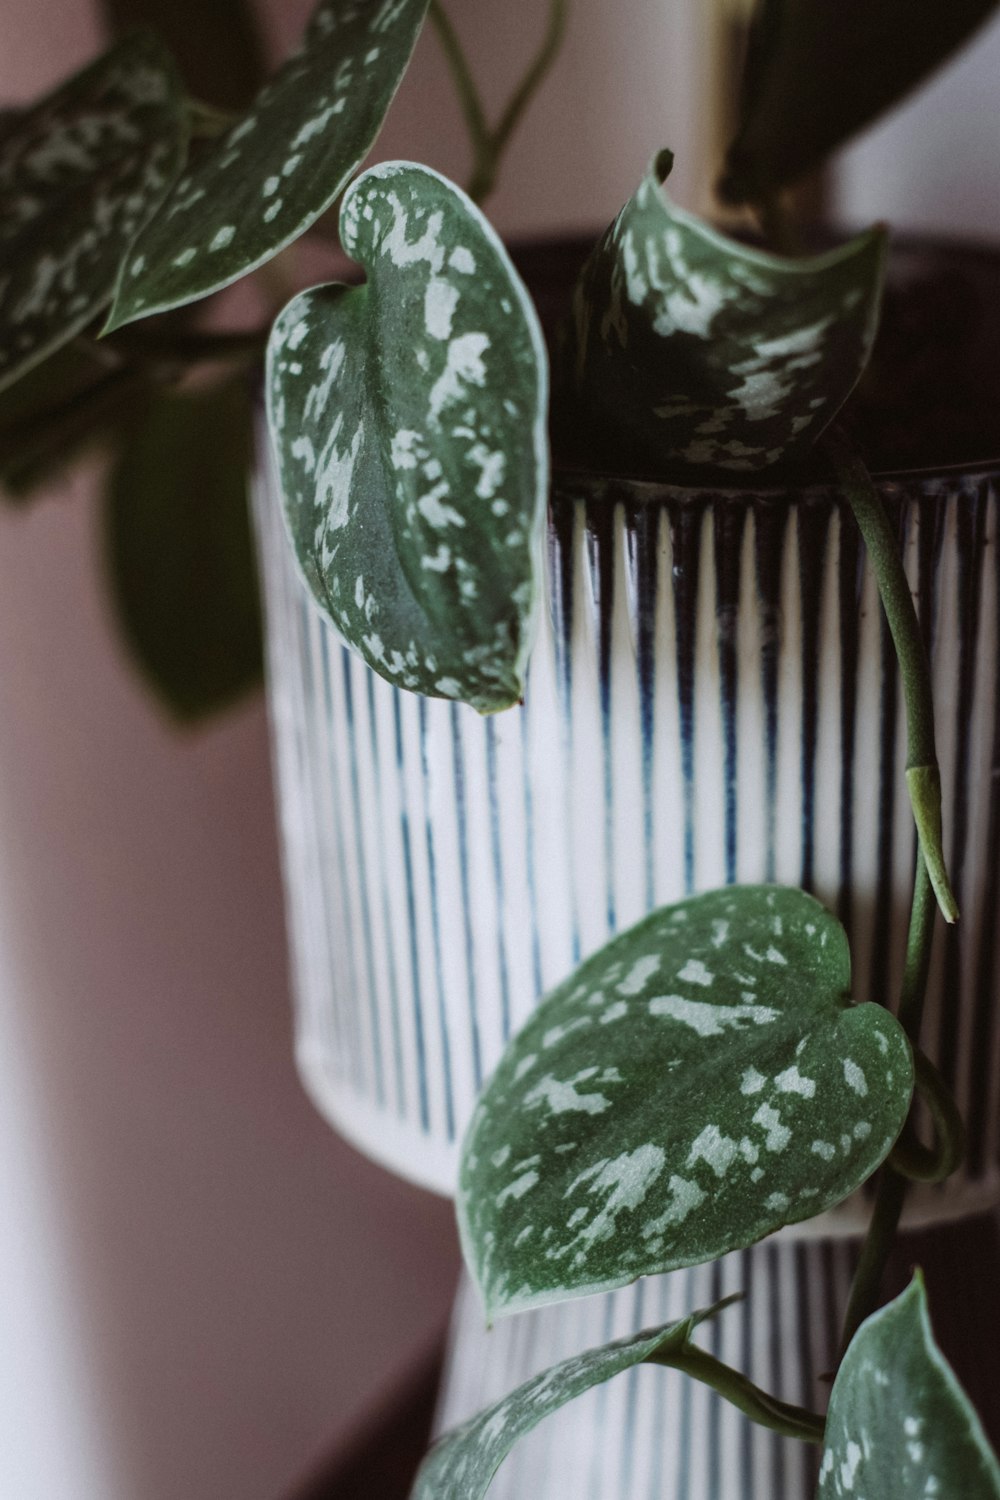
[{"x": 713, "y": 697}]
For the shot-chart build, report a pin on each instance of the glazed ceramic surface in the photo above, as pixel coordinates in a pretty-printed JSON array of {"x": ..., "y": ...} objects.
[{"x": 713, "y": 697}]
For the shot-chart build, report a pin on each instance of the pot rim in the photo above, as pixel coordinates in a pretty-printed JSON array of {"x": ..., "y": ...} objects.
[{"x": 646, "y": 488}]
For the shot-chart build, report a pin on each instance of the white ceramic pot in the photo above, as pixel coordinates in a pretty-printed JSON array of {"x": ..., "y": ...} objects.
[{"x": 713, "y": 697}]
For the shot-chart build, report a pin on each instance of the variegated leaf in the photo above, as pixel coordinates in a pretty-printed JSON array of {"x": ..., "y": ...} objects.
[
  {"x": 408, "y": 417},
  {"x": 692, "y": 349},
  {"x": 900, "y": 1427},
  {"x": 80, "y": 174},
  {"x": 463, "y": 1463},
  {"x": 700, "y": 1081},
  {"x": 267, "y": 179}
]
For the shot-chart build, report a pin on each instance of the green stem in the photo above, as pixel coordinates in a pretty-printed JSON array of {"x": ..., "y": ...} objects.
[
  {"x": 910, "y": 1157},
  {"x": 207, "y": 122},
  {"x": 489, "y": 145},
  {"x": 892, "y": 1187},
  {"x": 923, "y": 779},
  {"x": 779, "y": 1416},
  {"x": 468, "y": 97},
  {"x": 535, "y": 76},
  {"x": 190, "y": 347},
  {"x": 864, "y": 1298}
]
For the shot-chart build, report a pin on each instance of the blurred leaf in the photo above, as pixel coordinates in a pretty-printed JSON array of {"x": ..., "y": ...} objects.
[
  {"x": 408, "y": 417},
  {"x": 264, "y": 182},
  {"x": 461, "y": 1465},
  {"x": 900, "y": 1427},
  {"x": 58, "y": 410},
  {"x": 691, "y": 349},
  {"x": 820, "y": 70},
  {"x": 180, "y": 552},
  {"x": 80, "y": 173},
  {"x": 217, "y": 43}
]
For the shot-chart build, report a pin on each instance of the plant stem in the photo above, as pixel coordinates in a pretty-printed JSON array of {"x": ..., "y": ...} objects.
[
  {"x": 191, "y": 347},
  {"x": 923, "y": 779},
  {"x": 874, "y": 1253},
  {"x": 489, "y": 145},
  {"x": 207, "y": 122},
  {"x": 892, "y": 1187},
  {"x": 468, "y": 95},
  {"x": 535, "y": 76},
  {"x": 910, "y": 1157},
  {"x": 779, "y": 1416}
]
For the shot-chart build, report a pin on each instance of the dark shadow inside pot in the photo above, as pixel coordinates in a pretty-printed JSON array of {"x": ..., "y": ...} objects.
[{"x": 930, "y": 398}]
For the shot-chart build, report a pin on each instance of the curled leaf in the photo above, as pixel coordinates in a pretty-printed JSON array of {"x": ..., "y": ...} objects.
[{"x": 694, "y": 350}]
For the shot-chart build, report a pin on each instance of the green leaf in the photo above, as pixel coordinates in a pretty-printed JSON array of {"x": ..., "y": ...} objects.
[
  {"x": 58, "y": 409},
  {"x": 80, "y": 174},
  {"x": 408, "y": 417},
  {"x": 691, "y": 349},
  {"x": 463, "y": 1463},
  {"x": 824, "y": 69},
  {"x": 900, "y": 1427},
  {"x": 267, "y": 179},
  {"x": 179, "y": 550},
  {"x": 218, "y": 45},
  {"x": 699, "y": 1082}
]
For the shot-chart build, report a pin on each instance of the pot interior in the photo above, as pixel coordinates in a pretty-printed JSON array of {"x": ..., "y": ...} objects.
[{"x": 930, "y": 398}]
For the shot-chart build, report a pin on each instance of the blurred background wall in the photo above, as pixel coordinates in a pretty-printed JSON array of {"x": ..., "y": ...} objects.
[{"x": 201, "y": 1288}]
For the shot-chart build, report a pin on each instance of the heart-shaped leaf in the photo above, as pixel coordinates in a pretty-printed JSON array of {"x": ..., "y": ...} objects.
[
  {"x": 408, "y": 417},
  {"x": 267, "y": 179},
  {"x": 821, "y": 69},
  {"x": 900, "y": 1427},
  {"x": 80, "y": 174},
  {"x": 699, "y": 1082},
  {"x": 462, "y": 1464},
  {"x": 694, "y": 350},
  {"x": 179, "y": 550}
]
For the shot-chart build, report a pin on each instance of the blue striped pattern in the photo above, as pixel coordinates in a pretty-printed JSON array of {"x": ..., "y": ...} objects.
[
  {"x": 654, "y": 1434},
  {"x": 713, "y": 697}
]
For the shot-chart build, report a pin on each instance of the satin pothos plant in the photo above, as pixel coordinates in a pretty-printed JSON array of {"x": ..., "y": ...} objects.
[{"x": 707, "y": 1077}]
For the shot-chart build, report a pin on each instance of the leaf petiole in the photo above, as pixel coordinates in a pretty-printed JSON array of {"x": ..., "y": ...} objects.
[
  {"x": 488, "y": 145},
  {"x": 780, "y": 1416},
  {"x": 923, "y": 779}
]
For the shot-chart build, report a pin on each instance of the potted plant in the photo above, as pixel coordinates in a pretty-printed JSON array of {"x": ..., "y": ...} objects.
[{"x": 535, "y": 755}]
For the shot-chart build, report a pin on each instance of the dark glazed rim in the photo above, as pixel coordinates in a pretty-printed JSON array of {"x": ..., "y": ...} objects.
[{"x": 642, "y": 488}]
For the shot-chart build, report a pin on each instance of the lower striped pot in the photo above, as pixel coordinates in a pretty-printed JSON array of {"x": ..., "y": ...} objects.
[
  {"x": 654, "y": 1434},
  {"x": 713, "y": 698}
]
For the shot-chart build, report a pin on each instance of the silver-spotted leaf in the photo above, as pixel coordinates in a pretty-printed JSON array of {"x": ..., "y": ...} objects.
[
  {"x": 463, "y": 1463},
  {"x": 700, "y": 1081},
  {"x": 822, "y": 69},
  {"x": 408, "y": 417},
  {"x": 268, "y": 178},
  {"x": 899, "y": 1426},
  {"x": 691, "y": 349},
  {"x": 80, "y": 174}
]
